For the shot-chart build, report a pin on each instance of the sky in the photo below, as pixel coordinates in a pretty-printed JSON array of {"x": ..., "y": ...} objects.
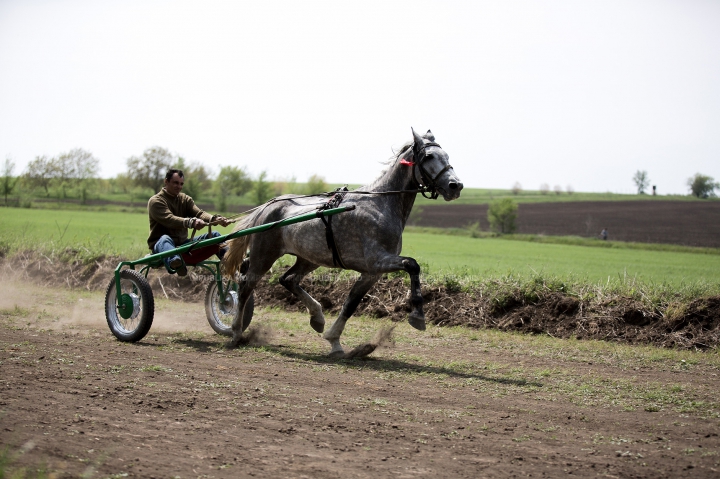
[{"x": 579, "y": 93}]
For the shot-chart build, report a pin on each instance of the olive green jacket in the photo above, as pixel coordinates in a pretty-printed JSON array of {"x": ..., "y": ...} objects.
[{"x": 172, "y": 216}]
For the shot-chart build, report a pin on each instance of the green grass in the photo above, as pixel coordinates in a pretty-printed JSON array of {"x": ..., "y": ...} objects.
[
  {"x": 486, "y": 257},
  {"x": 89, "y": 233}
]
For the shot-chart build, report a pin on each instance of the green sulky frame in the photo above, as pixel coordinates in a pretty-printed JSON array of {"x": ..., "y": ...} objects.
[{"x": 124, "y": 301}]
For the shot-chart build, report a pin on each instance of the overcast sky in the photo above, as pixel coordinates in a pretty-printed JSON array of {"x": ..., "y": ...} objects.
[{"x": 580, "y": 93}]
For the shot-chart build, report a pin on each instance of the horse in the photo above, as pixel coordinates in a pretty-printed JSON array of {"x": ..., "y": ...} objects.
[{"x": 367, "y": 239}]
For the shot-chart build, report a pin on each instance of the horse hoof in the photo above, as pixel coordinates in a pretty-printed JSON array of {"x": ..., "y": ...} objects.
[
  {"x": 339, "y": 354},
  {"x": 417, "y": 323},
  {"x": 317, "y": 326},
  {"x": 361, "y": 351}
]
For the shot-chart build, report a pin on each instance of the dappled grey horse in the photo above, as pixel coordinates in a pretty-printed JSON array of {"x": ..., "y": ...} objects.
[{"x": 367, "y": 239}]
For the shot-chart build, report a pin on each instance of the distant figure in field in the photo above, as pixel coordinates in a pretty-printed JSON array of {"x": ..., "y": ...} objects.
[{"x": 604, "y": 234}]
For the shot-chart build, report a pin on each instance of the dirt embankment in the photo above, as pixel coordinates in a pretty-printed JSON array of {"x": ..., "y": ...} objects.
[
  {"x": 694, "y": 325},
  {"x": 688, "y": 223}
]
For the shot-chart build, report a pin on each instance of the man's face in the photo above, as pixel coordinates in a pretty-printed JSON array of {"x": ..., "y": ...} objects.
[{"x": 175, "y": 184}]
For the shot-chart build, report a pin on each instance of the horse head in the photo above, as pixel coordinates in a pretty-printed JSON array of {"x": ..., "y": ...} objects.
[{"x": 432, "y": 170}]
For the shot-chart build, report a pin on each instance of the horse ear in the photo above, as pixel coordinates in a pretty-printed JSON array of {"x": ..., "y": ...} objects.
[
  {"x": 429, "y": 136},
  {"x": 419, "y": 143}
]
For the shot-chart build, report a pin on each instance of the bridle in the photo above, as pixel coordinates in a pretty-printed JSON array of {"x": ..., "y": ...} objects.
[{"x": 427, "y": 182}]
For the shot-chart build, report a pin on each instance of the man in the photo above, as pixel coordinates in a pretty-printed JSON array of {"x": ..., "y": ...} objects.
[{"x": 171, "y": 213}]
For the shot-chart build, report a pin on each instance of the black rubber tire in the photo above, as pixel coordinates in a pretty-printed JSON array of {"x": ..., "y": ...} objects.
[
  {"x": 221, "y": 314},
  {"x": 137, "y": 326}
]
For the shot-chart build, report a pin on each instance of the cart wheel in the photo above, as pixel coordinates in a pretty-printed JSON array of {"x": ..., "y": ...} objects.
[
  {"x": 132, "y": 321},
  {"x": 221, "y": 313}
]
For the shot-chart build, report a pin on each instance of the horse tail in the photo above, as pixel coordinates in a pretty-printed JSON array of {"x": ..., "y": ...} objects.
[{"x": 237, "y": 247}]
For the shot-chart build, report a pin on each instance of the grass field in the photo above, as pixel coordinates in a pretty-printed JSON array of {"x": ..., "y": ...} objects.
[
  {"x": 473, "y": 258},
  {"x": 489, "y": 257},
  {"x": 99, "y": 232}
]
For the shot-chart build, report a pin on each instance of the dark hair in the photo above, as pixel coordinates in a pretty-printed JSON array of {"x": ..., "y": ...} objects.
[{"x": 171, "y": 172}]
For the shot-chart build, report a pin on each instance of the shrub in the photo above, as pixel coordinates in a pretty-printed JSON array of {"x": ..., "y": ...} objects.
[
  {"x": 502, "y": 214},
  {"x": 702, "y": 186}
]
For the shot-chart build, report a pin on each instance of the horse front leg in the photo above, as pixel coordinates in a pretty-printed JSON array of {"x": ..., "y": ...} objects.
[
  {"x": 252, "y": 271},
  {"x": 417, "y": 315},
  {"x": 358, "y": 291},
  {"x": 392, "y": 263}
]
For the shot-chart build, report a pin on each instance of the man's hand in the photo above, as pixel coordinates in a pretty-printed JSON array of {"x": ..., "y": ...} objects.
[
  {"x": 222, "y": 220},
  {"x": 199, "y": 224}
]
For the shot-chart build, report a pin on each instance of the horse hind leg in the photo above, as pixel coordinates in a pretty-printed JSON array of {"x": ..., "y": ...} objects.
[
  {"x": 291, "y": 281},
  {"x": 357, "y": 293}
]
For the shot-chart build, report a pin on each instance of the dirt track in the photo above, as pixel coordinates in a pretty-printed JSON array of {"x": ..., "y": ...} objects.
[
  {"x": 690, "y": 223},
  {"x": 436, "y": 404}
]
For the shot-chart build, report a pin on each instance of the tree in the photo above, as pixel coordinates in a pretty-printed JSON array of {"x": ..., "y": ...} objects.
[
  {"x": 315, "y": 184},
  {"x": 642, "y": 181},
  {"x": 702, "y": 186},
  {"x": 39, "y": 173},
  {"x": 262, "y": 189},
  {"x": 231, "y": 180},
  {"x": 79, "y": 169},
  {"x": 544, "y": 189},
  {"x": 8, "y": 181},
  {"x": 517, "y": 188},
  {"x": 149, "y": 170},
  {"x": 122, "y": 182},
  {"x": 558, "y": 189},
  {"x": 502, "y": 214},
  {"x": 197, "y": 177},
  {"x": 63, "y": 168}
]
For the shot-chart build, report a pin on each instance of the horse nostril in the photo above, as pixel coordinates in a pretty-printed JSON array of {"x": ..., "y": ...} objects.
[{"x": 455, "y": 186}]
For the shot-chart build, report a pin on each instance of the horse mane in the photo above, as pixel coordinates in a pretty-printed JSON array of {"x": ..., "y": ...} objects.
[{"x": 397, "y": 155}]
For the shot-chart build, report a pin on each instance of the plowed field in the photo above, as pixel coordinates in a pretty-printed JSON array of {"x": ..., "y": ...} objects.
[{"x": 691, "y": 223}]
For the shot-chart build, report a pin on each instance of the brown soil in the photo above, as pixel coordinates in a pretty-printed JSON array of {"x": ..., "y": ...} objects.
[
  {"x": 689, "y": 223},
  {"x": 181, "y": 405}
]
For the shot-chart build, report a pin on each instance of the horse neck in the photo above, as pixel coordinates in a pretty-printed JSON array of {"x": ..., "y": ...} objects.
[{"x": 397, "y": 178}]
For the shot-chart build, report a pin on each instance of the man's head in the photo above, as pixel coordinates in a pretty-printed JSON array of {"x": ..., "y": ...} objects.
[{"x": 174, "y": 181}]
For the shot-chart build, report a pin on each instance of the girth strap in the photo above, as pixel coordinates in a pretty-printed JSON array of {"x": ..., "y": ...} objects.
[
  {"x": 333, "y": 202},
  {"x": 330, "y": 238}
]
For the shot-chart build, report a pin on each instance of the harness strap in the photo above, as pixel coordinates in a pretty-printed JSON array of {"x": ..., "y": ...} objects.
[
  {"x": 330, "y": 238},
  {"x": 333, "y": 202}
]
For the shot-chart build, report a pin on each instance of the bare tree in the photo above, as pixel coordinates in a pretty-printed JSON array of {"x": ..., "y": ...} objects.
[
  {"x": 558, "y": 189},
  {"x": 517, "y": 188},
  {"x": 642, "y": 181},
  {"x": 544, "y": 189}
]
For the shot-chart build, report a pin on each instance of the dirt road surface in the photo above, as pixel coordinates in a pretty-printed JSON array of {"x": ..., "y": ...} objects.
[{"x": 442, "y": 403}]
